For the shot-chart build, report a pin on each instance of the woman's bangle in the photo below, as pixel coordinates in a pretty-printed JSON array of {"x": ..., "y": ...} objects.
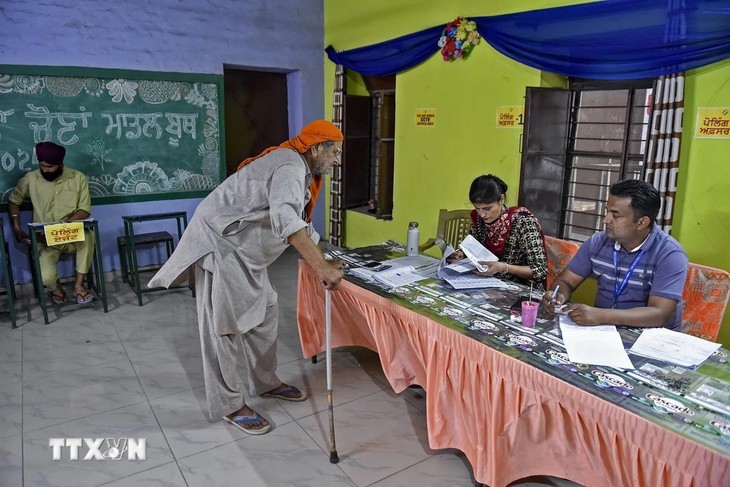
[
  {"x": 14, "y": 216},
  {"x": 506, "y": 267}
]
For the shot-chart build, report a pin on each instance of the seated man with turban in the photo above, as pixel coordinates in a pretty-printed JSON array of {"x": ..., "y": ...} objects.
[
  {"x": 236, "y": 233},
  {"x": 58, "y": 194}
]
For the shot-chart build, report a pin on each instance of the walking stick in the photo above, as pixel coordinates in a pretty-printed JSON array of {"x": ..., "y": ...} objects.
[{"x": 328, "y": 346}]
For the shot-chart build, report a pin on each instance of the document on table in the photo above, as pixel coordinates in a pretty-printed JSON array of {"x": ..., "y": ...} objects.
[
  {"x": 398, "y": 276},
  {"x": 596, "y": 345},
  {"x": 456, "y": 275},
  {"x": 476, "y": 252},
  {"x": 673, "y": 347},
  {"x": 422, "y": 264}
]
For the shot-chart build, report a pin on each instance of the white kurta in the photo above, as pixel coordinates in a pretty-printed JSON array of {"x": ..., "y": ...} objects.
[{"x": 255, "y": 211}]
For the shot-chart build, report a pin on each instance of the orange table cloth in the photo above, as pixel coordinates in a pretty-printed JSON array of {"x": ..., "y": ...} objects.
[{"x": 510, "y": 419}]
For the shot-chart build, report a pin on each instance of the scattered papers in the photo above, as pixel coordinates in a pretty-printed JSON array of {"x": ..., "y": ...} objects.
[
  {"x": 476, "y": 252},
  {"x": 595, "y": 345},
  {"x": 398, "y": 272},
  {"x": 673, "y": 347}
]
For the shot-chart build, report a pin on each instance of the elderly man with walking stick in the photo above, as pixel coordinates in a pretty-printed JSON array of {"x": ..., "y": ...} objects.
[{"x": 236, "y": 233}]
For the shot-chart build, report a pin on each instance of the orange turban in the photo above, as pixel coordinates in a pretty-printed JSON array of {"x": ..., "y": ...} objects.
[{"x": 312, "y": 134}]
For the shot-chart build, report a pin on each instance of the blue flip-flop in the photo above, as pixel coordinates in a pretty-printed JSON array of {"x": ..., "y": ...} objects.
[
  {"x": 240, "y": 422},
  {"x": 84, "y": 298},
  {"x": 281, "y": 394}
]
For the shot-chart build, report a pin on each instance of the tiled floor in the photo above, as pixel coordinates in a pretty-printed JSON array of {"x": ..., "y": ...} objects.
[{"x": 136, "y": 373}]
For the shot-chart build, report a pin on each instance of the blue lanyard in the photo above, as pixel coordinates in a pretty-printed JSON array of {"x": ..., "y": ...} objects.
[{"x": 617, "y": 290}]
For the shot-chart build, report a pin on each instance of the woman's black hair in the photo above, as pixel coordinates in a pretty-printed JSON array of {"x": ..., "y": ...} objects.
[{"x": 487, "y": 189}]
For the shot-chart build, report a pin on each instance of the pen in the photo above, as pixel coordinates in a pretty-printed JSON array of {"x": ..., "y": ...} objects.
[{"x": 555, "y": 293}]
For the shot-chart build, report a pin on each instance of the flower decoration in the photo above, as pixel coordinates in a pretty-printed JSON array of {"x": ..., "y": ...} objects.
[{"x": 458, "y": 39}]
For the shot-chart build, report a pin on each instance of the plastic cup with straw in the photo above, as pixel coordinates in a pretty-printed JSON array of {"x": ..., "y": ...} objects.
[{"x": 529, "y": 310}]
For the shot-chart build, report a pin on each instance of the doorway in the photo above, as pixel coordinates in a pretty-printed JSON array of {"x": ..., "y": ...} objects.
[{"x": 256, "y": 113}]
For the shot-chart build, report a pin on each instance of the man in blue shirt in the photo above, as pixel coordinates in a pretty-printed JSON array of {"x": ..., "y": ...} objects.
[{"x": 640, "y": 269}]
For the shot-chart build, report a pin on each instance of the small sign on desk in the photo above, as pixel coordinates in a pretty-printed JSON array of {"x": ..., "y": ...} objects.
[{"x": 63, "y": 233}]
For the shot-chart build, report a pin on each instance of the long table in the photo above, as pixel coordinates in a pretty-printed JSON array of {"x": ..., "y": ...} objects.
[{"x": 512, "y": 415}]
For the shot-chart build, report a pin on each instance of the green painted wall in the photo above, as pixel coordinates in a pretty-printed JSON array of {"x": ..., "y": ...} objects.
[
  {"x": 702, "y": 214},
  {"x": 435, "y": 165}
]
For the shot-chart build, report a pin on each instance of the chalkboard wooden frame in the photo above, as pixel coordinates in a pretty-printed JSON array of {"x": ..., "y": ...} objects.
[{"x": 189, "y": 90}]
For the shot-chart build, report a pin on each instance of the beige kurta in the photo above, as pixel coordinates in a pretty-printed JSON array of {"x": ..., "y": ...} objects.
[
  {"x": 255, "y": 210},
  {"x": 235, "y": 234}
]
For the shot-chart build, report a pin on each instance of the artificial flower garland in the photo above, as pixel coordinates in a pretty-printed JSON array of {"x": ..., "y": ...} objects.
[{"x": 458, "y": 39}]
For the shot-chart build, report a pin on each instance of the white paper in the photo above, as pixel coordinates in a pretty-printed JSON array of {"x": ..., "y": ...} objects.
[
  {"x": 398, "y": 276},
  {"x": 673, "y": 347},
  {"x": 423, "y": 265},
  {"x": 461, "y": 266},
  {"x": 596, "y": 345},
  {"x": 460, "y": 280},
  {"x": 476, "y": 282},
  {"x": 476, "y": 252}
]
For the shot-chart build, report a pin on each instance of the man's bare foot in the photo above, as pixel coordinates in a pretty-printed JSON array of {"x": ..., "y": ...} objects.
[
  {"x": 286, "y": 393},
  {"x": 248, "y": 420},
  {"x": 82, "y": 295}
]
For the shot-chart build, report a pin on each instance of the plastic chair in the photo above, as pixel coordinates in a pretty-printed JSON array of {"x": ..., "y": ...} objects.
[
  {"x": 452, "y": 227},
  {"x": 559, "y": 253},
  {"x": 7, "y": 272},
  {"x": 705, "y": 298}
]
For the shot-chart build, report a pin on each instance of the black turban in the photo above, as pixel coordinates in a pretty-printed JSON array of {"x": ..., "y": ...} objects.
[{"x": 50, "y": 153}]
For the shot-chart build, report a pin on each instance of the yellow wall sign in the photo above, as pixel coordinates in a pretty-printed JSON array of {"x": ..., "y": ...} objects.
[
  {"x": 425, "y": 117},
  {"x": 511, "y": 117},
  {"x": 63, "y": 233},
  {"x": 713, "y": 123}
]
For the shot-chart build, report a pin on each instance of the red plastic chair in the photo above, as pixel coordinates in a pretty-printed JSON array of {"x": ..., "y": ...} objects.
[
  {"x": 559, "y": 252},
  {"x": 705, "y": 297}
]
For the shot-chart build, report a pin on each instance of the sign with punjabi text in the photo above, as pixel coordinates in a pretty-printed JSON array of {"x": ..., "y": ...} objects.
[
  {"x": 133, "y": 134},
  {"x": 510, "y": 117},
  {"x": 63, "y": 233},
  {"x": 713, "y": 123}
]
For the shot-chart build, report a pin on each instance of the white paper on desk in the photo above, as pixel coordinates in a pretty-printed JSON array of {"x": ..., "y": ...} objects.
[
  {"x": 422, "y": 264},
  {"x": 398, "y": 276},
  {"x": 476, "y": 252},
  {"x": 673, "y": 347},
  {"x": 596, "y": 345}
]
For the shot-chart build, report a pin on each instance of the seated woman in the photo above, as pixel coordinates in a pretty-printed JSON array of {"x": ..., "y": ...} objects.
[{"x": 512, "y": 234}]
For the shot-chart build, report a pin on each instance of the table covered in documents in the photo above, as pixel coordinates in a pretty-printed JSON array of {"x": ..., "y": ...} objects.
[{"x": 509, "y": 398}]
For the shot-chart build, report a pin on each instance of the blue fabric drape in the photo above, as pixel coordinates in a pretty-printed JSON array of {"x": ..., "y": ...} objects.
[{"x": 612, "y": 39}]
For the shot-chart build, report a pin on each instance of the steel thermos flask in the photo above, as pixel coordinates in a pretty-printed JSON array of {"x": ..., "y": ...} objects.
[{"x": 413, "y": 237}]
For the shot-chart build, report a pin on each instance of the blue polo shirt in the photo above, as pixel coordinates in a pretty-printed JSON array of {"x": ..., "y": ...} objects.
[{"x": 661, "y": 271}]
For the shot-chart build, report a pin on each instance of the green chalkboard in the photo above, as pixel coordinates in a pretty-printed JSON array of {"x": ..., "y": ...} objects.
[{"x": 137, "y": 135}]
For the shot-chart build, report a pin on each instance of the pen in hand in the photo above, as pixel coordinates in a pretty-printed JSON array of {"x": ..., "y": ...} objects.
[
  {"x": 555, "y": 294},
  {"x": 556, "y": 305}
]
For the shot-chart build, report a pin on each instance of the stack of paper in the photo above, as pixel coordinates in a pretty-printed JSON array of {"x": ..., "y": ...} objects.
[
  {"x": 673, "y": 347},
  {"x": 596, "y": 345},
  {"x": 398, "y": 272}
]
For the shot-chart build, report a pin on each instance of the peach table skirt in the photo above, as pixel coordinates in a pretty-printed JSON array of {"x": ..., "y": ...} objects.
[{"x": 510, "y": 419}]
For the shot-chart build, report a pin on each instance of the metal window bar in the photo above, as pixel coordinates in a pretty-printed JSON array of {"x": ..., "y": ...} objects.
[{"x": 585, "y": 120}]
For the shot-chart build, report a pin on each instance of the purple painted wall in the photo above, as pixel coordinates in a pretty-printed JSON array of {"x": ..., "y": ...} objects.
[{"x": 168, "y": 35}]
